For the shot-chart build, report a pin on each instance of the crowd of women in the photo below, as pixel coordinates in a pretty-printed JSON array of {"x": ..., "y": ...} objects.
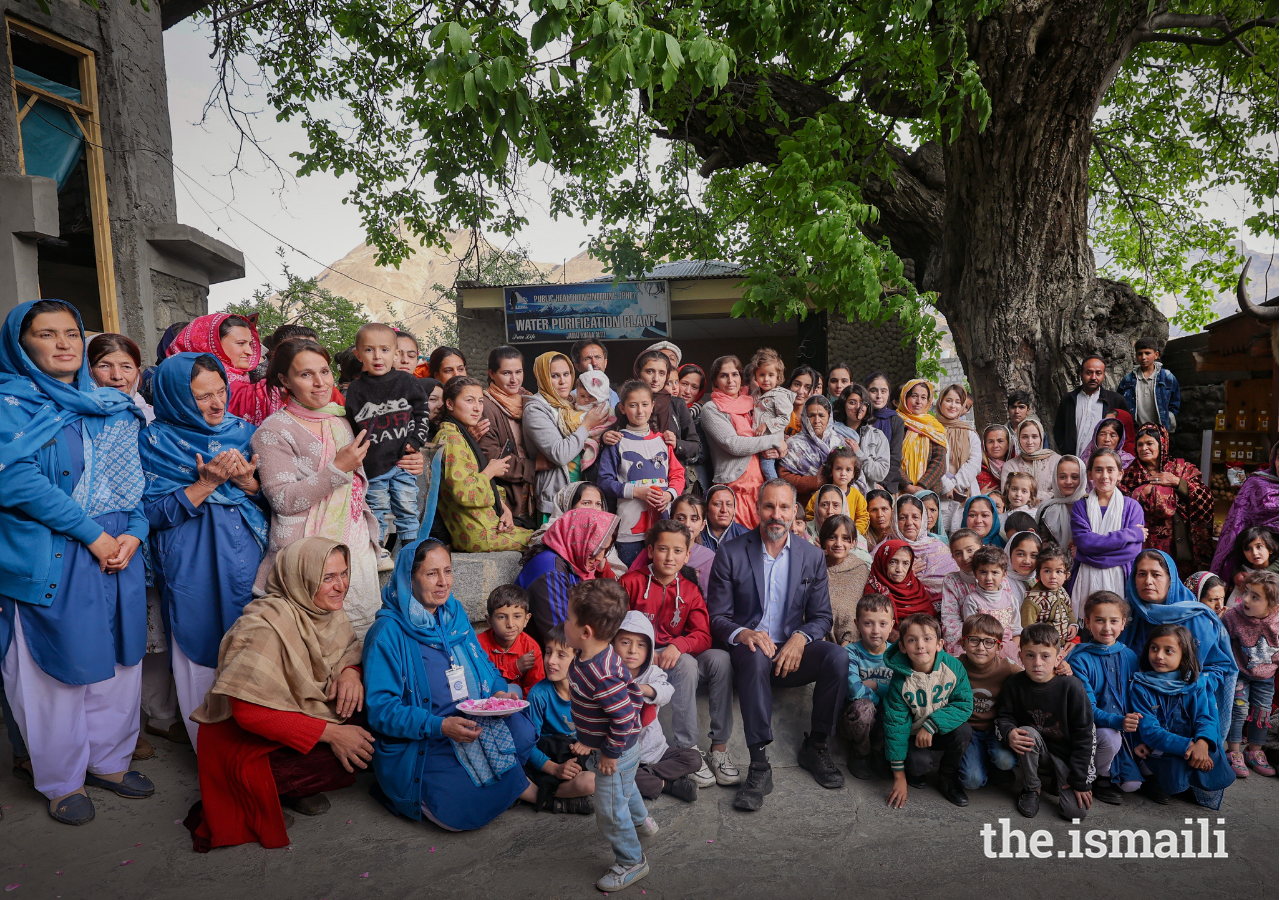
[{"x": 191, "y": 543}]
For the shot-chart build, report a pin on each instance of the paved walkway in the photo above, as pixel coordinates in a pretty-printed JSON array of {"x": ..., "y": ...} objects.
[{"x": 806, "y": 842}]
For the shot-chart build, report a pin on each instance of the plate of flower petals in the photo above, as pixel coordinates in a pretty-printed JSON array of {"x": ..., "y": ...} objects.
[{"x": 491, "y": 706}]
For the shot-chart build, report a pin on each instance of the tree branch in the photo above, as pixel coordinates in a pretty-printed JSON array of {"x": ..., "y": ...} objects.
[
  {"x": 241, "y": 11},
  {"x": 1147, "y": 34}
]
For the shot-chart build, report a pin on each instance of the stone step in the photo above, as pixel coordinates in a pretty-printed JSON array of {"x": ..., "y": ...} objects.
[{"x": 475, "y": 575}]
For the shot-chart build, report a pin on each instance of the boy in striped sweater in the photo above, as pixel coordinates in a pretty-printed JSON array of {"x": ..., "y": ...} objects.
[{"x": 606, "y": 715}]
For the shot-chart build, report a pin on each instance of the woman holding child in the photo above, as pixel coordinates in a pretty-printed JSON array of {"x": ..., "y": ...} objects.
[
  {"x": 312, "y": 472},
  {"x": 430, "y": 760},
  {"x": 732, "y": 439}
]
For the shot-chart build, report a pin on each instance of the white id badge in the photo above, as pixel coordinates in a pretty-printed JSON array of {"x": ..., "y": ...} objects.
[{"x": 457, "y": 683}]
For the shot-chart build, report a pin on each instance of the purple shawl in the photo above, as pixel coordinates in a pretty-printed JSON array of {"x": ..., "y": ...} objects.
[
  {"x": 1106, "y": 551},
  {"x": 1256, "y": 504}
]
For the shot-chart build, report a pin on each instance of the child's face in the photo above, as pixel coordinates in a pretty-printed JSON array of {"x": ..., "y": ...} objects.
[
  {"x": 575, "y": 632},
  {"x": 507, "y": 622},
  {"x": 838, "y": 545},
  {"x": 556, "y": 659},
  {"x": 950, "y": 405},
  {"x": 1105, "y": 622},
  {"x": 376, "y": 351},
  {"x": 668, "y": 554},
  {"x": 842, "y": 472},
  {"x": 1256, "y": 554},
  {"x": 1164, "y": 653},
  {"x": 766, "y": 377},
  {"x": 1039, "y": 661},
  {"x": 899, "y": 566},
  {"x": 998, "y": 502},
  {"x": 1023, "y": 557},
  {"x": 1017, "y": 412},
  {"x": 879, "y": 391},
  {"x": 1255, "y": 603},
  {"x": 1052, "y": 575},
  {"x": 633, "y": 648},
  {"x": 921, "y": 646},
  {"x": 637, "y": 408},
  {"x": 981, "y": 648},
  {"x": 1018, "y": 492},
  {"x": 1147, "y": 358},
  {"x": 691, "y": 518},
  {"x": 654, "y": 373},
  {"x": 837, "y": 381},
  {"x": 1068, "y": 477},
  {"x": 962, "y": 551},
  {"x": 406, "y": 354},
  {"x": 1105, "y": 474},
  {"x": 1215, "y": 598},
  {"x": 874, "y": 628},
  {"x": 434, "y": 401},
  {"x": 990, "y": 577}
]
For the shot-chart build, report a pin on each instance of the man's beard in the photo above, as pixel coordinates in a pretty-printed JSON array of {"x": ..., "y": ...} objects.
[{"x": 776, "y": 529}]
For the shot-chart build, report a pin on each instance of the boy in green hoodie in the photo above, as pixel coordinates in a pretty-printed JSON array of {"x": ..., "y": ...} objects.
[{"x": 927, "y": 708}]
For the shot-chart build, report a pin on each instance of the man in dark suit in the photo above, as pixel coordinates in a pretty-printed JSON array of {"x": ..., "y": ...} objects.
[
  {"x": 1080, "y": 411},
  {"x": 769, "y": 607}
]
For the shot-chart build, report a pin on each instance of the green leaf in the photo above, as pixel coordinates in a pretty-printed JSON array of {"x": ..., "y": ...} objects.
[{"x": 459, "y": 38}]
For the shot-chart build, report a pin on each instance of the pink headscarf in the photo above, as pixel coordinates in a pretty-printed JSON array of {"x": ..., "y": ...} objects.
[
  {"x": 578, "y": 535},
  {"x": 251, "y": 401}
]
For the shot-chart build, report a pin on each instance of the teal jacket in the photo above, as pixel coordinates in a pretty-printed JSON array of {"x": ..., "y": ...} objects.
[{"x": 939, "y": 701}]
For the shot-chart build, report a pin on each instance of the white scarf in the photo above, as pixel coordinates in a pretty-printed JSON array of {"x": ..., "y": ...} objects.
[{"x": 1088, "y": 578}]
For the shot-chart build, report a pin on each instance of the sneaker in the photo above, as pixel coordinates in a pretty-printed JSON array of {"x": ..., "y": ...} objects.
[
  {"x": 647, "y": 828},
  {"x": 1029, "y": 803},
  {"x": 1236, "y": 758},
  {"x": 1105, "y": 791},
  {"x": 817, "y": 760},
  {"x": 724, "y": 769},
  {"x": 759, "y": 783},
  {"x": 859, "y": 767},
  {"x": 703, "y": 777},
  {"x": 385, "y": 562},
  {"x": 1257, "y": 761},
  {"x": 621, "y": 876},
  {"x": 683, "y": 788}
]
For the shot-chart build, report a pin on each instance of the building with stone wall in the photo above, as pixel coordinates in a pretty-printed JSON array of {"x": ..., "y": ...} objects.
[
  {"x": 702, "y": 294},
  {"x": 87, "y": 206}
]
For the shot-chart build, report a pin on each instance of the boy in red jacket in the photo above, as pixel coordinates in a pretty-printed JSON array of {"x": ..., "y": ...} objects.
[
  {"x": 513, "y": 653},
  {"x": 670, "y": 599}
]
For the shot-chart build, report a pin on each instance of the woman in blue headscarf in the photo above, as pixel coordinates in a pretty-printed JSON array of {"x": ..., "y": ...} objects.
[
  {"x": 1157, "y": 597},
  {"x": 73, "y": 607},
  {"x": 207, "y": 530},
  {"x": 981, "y": 516},
  {"x": 430, "y": 761}
]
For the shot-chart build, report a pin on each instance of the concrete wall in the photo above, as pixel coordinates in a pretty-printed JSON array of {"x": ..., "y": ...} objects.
[{"x": 134, "y": 113}]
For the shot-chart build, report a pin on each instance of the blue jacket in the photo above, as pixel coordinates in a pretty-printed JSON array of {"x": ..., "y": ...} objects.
[
  {"x": 735, "y": 592},
  {"x": 1107, "y": 672},
  {"x": 1168, "y": 394},
  {"x": 1170, "y": 722},
  {"x": 398, "y": 705}
]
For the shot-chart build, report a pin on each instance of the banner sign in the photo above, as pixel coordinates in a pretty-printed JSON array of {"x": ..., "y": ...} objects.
[{"x": 629, "y": 310}]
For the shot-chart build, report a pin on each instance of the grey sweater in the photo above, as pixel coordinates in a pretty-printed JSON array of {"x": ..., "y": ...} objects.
[
  {"x": 730, "y": 451},
  {"x": 541, "y": 426}
]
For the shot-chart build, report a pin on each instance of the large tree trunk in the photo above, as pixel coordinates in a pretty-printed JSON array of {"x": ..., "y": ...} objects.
[{"x": 1015, "y": 276}]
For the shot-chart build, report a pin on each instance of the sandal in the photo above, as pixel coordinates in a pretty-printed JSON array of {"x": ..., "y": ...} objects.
[
  {"x": 74, "y": 809},
  {"x": 1236, "y": 759},
  {"x": 134, "y": 785},
  {"x": 1257, "y": 761},
  {"x": 21, "y": 772}
]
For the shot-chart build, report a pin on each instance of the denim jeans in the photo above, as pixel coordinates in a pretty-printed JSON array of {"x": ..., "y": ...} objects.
[
  {"x": 985, "y": 749},
  {"x": 628, "y": 550},
  {"x": 1252, "y": 706},
  {"x": 620, "y": 808},
  {"x": 396, "y": 492}
]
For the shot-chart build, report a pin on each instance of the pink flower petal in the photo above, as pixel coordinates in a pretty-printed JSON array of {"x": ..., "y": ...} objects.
[
  {"x": 365, "y": 875},
  {"x": 348, "y": 821},
  {"x": 127, "y": 862},
  {"x": 710, "y": 842},
  {"x": 433, "y": 849},
  {"x": 177, "y": 821},
  {"x": 59, "y": 872},
  {"x": 10, "y": 887},
  {"x": 137, "y": 845}
]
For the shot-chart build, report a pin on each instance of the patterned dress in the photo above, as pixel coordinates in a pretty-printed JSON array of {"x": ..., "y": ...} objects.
[
  {"x": 467, "y": 501},
  {"x": 1160, "y": 503}
]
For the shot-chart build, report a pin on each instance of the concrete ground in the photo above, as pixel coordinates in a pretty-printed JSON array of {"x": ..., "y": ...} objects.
[{"x": 806, "y": 842}]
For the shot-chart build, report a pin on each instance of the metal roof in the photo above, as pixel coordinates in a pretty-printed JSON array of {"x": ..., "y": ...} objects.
[{"x": 681, "y": 269}]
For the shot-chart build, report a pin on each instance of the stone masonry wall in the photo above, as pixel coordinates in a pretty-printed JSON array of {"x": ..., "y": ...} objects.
[{"x": 870, "y": 349}]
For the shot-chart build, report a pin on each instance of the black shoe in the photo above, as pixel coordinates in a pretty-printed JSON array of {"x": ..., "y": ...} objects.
[
  {"x": 759, "y": 783},
  {"x": 859, "y": 767},
  {"x": 1105, "y": 791},
  {"x": 880, "y": 766},
  {"x": 818, "y": 761},
  {"x": 917, "y": 781},
  {"x": 682, "y": 788},
  {"x": 949, "y": 787},
  {"x": 1153, "y": 792},
  {"x": 1001, "y": 777},
  {"x": 1029, "y": 803},
  {"x": 313, "y": 805},
  {"x": 581, "y": 806}
]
